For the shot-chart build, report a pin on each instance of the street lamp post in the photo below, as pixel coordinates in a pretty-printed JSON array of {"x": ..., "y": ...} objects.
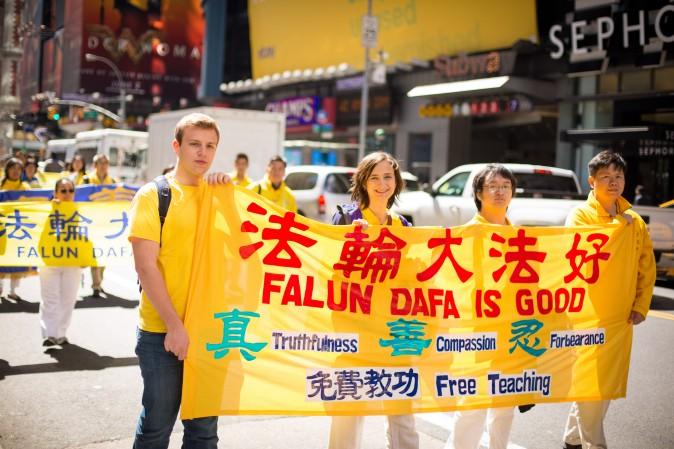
[{"x": 122, "y": 91}]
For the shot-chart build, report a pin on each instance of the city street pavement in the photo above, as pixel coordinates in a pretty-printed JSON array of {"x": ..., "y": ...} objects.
[{"x": 87, "y": 394}]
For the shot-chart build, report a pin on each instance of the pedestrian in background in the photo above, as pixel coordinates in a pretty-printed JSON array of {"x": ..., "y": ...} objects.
[
  {"x": 99, "y": 176},
  {"x": 31, "y": 175},
  {"x": 239, "y": 177},
  {"x": 12, "y": 181},
  {"x": 273, "y": 187},
  {"x": 375, "y": 186},
  {"x": 605, "y": 205},
  {"x": 59, "y": 285},
  {"x": 76, "y": 170},
  {"x": 493, "y": 189}
]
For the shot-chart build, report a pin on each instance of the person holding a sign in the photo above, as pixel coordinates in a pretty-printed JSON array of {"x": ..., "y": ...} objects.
[
  {"x": 58, "y": 285},
  {"x": 12, "y": 181},
  {"x": 100, "y": 176},
  {"x": 606, "y": 205},
  {"x": 493, "y": 189},
  {"x": 375, "y": 186},
  {"x": 163, "y": 255}
]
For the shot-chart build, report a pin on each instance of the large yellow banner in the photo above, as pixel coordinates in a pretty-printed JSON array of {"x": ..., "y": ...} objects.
[
  {"x": 329, "y": 33},
  {"x": 290, "y": 316},
  {"x": 48, "y": 233}
]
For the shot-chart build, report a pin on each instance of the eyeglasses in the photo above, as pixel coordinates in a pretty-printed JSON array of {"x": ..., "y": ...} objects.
[
  {"x": 503, "y": 188},
  {"x": 66, "y": 190}
]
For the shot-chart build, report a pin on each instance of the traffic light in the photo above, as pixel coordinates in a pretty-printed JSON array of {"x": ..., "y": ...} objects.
[{"x": 53, "y": 113}]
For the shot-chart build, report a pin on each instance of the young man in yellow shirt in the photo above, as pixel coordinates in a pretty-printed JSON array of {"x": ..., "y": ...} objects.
[
  {"x": 604, "y": 205},
  {"x": 273, "y": 188},
  {"x": 163, "y": 256}
]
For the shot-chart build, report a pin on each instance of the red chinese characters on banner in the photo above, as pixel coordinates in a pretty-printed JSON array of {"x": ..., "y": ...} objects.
[
  {"x": 598, "y": 241},
  {"x": 446, "y": 253},
  {"x": 379, "y": 257},
  {"x": 283, "y": 235},
  {"x": 523, "y": 271}
]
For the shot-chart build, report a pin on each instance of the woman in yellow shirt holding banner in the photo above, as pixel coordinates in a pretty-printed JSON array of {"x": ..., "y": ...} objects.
[
  {"x": 58, "y": 285},
  {"x": 374, "y": 187},
  {"x": 12, "y": 181}
]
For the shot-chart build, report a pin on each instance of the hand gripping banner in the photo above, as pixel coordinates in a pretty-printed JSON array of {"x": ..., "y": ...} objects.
[{"x": 289, "y": 316}]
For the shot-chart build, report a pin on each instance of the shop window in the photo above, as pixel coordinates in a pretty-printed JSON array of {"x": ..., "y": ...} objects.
[
  {"x": 637, "y": 81},
  {"x": 664, "y": 79},
  {"x": 608, "y": 83},
  {"x": 420, "y": 146}
]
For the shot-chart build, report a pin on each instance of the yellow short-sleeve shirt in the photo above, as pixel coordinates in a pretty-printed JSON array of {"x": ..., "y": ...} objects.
[{"x": 177, "y": 244}]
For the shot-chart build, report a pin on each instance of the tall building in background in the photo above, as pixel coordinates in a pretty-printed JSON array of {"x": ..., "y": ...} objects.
[
  {"x": 156, "y": 45},
  {"x": 10, "y": 54}
]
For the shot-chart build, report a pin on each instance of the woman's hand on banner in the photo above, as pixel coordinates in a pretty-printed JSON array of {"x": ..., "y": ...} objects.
[{"x": 636, "y": 318}]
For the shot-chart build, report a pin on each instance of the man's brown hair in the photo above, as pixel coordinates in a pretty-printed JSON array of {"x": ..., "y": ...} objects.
[
  {"x": 197, "y": 120},
  {"x": 363, "y": 172}
]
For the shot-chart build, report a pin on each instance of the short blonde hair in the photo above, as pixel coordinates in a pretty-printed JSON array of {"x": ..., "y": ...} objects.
[{"x": 197, "y": 120}]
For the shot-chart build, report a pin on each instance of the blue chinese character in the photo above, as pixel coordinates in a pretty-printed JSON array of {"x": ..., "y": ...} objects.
[
  {"x": 408, "y": 382},
  {"x": 379, "y": 383},
  {"x": 125, "y": 223},
  {"x": 406, "y": 337},
  {"x": 320, "y": 383},
  {"x": 18, "y": 233},
  {"x": 348, "y": 384},
  {"x": 235, "y": 324},
  {"x": 521, "y": 331}
]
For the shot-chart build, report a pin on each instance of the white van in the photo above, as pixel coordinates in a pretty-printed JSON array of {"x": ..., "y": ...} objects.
[{"x": 127, "y": 151}]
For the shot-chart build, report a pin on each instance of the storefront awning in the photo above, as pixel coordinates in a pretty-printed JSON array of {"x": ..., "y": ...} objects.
[{"x": 618, "y": 133}]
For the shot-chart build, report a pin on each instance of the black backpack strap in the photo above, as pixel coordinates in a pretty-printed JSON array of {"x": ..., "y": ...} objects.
[{"x": 164, "y": 197}]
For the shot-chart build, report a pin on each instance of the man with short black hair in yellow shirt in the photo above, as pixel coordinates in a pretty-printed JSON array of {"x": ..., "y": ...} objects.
[
  {"x": 163, "y": 257},
  {"x": 273, "y": 187},
  {"x": 605, "y": 205}
]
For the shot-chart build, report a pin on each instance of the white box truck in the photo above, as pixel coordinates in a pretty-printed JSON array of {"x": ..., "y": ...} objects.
[{"x": 259, "y": 134}]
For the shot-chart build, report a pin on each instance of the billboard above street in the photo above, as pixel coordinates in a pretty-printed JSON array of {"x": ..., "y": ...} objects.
[
  {"x": 156, "y": 44},
  {"x": 297, "y": 34}
]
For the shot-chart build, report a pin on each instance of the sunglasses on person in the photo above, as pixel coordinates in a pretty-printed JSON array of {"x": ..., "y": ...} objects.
[{"x": 66, "y": 190}]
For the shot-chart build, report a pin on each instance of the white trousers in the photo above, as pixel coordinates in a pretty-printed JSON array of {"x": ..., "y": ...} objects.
[
  {"x": 469, "y": 426},
  {"x": 585, "y": 424},
  {"x": 346, "y": 432},
  {"x": 59, "y": 286}
]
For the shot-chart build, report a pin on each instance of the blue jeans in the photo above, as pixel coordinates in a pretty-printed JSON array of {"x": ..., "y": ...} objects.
[{"x": 162, "y": 386}]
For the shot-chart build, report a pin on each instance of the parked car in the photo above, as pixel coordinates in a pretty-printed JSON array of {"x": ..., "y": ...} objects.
[
  {"x": 545, "y": 196},
  {"x": 318, "y": 189}
]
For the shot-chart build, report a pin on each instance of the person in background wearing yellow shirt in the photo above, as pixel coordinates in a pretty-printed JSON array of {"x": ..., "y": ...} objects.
[
  {"x": 31, "y": 175},
  {"x": 605, "y": 205},
  {"x": 163, "y": 255},
  {"x": 12, "y": 181},
  {"x": 76, "y": 170},
  {"x": 100, "y": 176},
  {"x": 493, "y": 189},
  {"x": 273, "y": 188},
  {"x": 239, "y": 177}
]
